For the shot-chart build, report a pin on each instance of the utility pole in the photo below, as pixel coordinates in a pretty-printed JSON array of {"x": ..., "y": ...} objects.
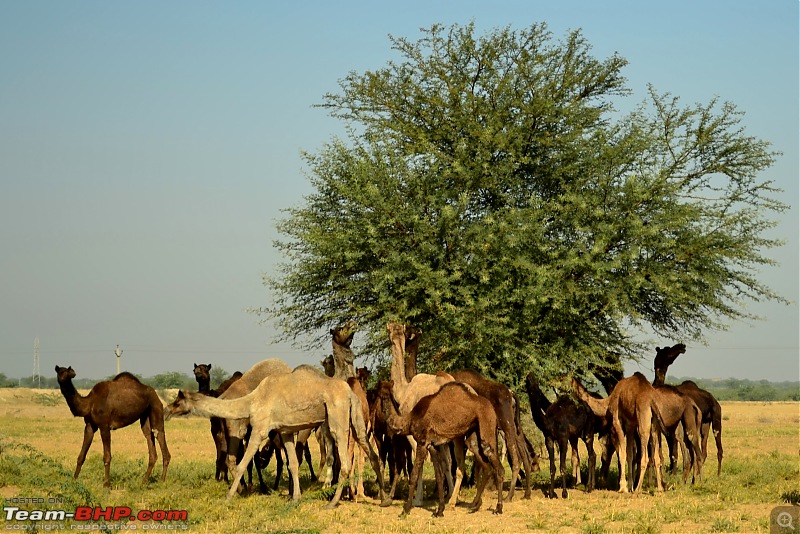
[
  {"x": 118, "y": 352},
  {"x": 36, "y": 377}
]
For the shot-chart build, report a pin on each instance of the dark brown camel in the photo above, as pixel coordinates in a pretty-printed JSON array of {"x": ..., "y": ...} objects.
[
  {"x": 678, "y": 409},
  {"x": 564, "y": 422},
  {"x": 202, "y": 373},
  {"x": 502, "y": 400},
  {"x": 632, "y": 408},
  {"x": 394, "y": 449},
  {"x": 436, "y": 420},
  {"x": 116, "y": 404},
  {"x": 708, "y": 404}
]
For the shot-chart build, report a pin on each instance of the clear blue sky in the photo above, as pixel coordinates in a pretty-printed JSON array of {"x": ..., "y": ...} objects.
[{"x": 147, "y": 148}]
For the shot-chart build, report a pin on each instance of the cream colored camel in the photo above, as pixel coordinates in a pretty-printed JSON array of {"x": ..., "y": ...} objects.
[
  {"x": 340, "y": 366},
  {"x": 237, "y": 428},
  {"x": 632, "y": 407},
  {"x": 289, "y": 403}
]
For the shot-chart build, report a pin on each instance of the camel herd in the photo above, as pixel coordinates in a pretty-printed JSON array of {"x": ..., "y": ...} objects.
[{"x": 273, "y": 410}]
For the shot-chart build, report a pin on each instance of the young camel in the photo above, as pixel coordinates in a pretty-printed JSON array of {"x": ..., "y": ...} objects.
[
  {"x": 202, "y": 373},
  {"x": 116, "y": 404},
  {"x": 289, "y": 403},
  {"x": 564, "y": 422},
  {"x": 436, "y": 420},
  {"x": 709, "y": 406},
  {"x": 502, "y": 400},
  {"x": 632, "y": 408},
  {"x": 237, "y": 428}
]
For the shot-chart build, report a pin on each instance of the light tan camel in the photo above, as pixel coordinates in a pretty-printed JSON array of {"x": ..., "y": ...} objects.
[
  {"x": 408, "y": 392},
  {"x": 632, "y": 407},
  {"x": 708, "y": 404},
  {"x": 454, "y": 411},
  {"x": 237, "y": 428},
  {"x": 340, "y": 366},
  {"x": 114, "y": 404},
  {"x": 289, "y": 403}
]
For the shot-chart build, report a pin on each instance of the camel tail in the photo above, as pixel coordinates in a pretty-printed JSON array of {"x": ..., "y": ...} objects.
[
  {"x": 716, "y": 427},
  {"x": 657, "y": 417}
]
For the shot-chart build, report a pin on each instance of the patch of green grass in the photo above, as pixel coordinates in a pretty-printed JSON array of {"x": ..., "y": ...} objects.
[
  {"x": 593, "y": 528},
  {"x": 724, "y": 525},
  {"x": 791, "y": 496},
  {"x": 48, "y": 399}
]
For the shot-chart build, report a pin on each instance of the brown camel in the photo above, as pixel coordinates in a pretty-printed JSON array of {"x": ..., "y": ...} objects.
[
  {"x": 564, "y": 422},
  {"x": 502, "y": 400},
  {"x": 452, "y": 412},
  {"x": 631, "y": 407},
  {"x": 709, "y": 406},
  {"x": 202, "y": 373},
  {"x": 407, "y": 392},
  {"x": 116, "y": 404},
  {"x": 289, "y": 403},
  {"x": 394, "y": 449},
  {"x": 237, "y": 429},
  {"x": 679, "y": 410}
]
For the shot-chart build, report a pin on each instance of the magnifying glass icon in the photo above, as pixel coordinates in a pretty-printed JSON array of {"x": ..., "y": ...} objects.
[{"x": 784, "y": 520}]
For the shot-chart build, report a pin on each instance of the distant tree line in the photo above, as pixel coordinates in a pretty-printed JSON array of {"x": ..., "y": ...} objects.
[
  {"x": 737, "y": 389},
  {"x": 168, "y": 380},
  {"x": 734, "y": 389}
]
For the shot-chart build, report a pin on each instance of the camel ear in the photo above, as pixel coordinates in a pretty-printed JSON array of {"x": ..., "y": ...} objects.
[
  {"x": 658, "y": 349},
  {"x": 209, "y": 366},
  {"x": 333, "y": 332},
  {"x": 195, "y": 366},
  {"x": 181, "y": 395},
  {"x": 391, "y": 383}
]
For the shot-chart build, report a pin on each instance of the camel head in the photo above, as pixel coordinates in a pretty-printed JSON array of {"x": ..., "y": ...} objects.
[
  {"x": 396, "y": 330},
  {"x": 202, "y": 372},
  {"x": 343, "y": 334},
  {"x": 182, "y": 405},
  {"x": 64, "y": 374},
  {"x": 363, "y": 374},
  {"x": 328, "y": 365}
]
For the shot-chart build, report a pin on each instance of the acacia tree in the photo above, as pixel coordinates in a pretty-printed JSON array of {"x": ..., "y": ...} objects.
[{"x": 490, "y": 194}]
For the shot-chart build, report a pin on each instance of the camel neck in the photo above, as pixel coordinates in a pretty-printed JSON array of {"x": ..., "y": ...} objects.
[
  {"x": 204, "y": 387},
  {"x": 77, "y": 403},
  {"x": 343, "y": 362},
  {"x": 398, "y": 424},
  {"x": 398, "y": 370},
  {"x": 205, "y": 406},
  {"x": 660, "y": 378},
  {"x": 598, "y": 406}
]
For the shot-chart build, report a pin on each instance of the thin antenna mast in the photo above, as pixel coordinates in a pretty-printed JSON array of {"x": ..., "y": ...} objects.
[{"x": 36, "y": 377}]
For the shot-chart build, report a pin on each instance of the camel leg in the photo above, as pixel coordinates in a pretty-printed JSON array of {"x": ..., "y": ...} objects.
[
  {"x": 484, "y": 457},
  {"x": 151, "y": 448},
  {"x": 526, "y": 462},
  {"x": 340, "y": 436},
  {"x": 88, "y": 436},
  {"x": 551, "y": 453},
  {"x": 306, "y": 452},
  {"x": 416, "y": 472},
  {"x": 655, "y": 436},
  {"x": 294, "y": 465},
  {"x": 439, "y": 473},
  {"x": 512, "y": 443},
  {"x": 161, "y": 437},
  {"x": 592, "y": 462},
  {"x": 563, "y": 446},
  {"x": 327, "y": 451},
  {"x": 644, "y": 427},
  {"x": 461, "y": 469},
  {"x": 624, "y": 445},
  {"x": 247, "y": 457},
  {"x": 576, "y": 460},
  {"x": 105, "y": 435}
]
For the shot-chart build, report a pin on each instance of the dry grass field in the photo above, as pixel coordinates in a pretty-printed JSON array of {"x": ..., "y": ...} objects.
[{"x": 39, "y": 441}]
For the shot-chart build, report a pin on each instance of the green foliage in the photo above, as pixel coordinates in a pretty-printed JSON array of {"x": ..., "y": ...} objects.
[
  {"x": 490, "y": 195},
  {"x": 171, "y": 380}
]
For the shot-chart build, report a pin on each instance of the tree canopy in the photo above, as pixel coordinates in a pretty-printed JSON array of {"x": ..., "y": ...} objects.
[{"x": 489, "y": 193}]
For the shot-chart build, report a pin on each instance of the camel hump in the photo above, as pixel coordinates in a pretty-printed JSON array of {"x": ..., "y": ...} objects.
[{"x": 125, "y": 375}]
